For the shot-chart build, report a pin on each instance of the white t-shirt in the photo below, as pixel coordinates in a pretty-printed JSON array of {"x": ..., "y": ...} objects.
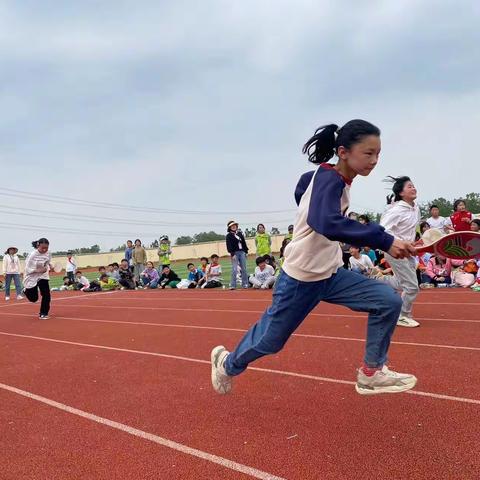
[
  {"x": 83, "y": 280},
  {"x": 265, "y": 274},
  {"x": 35, "y": 262},
  {"x": 71, "y": 266},
  {"x": 363, "y": 263},
  {"x": 439, "y": 223}
]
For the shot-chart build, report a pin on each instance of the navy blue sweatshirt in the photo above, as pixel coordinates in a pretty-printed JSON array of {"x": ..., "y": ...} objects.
[{"x": 323, "y": 198}]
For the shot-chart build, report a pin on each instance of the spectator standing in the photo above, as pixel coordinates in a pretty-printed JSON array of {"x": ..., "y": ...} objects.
[
  {"x": 129, "y": 254},
  {"x": 71, "y": 267},
  {"x": 263, "y": 241},
  {"x": 164, "y": 252},
  {"x": 11, "y": 271},
  {"x": 237, "y": 247},
  {"x": 139, "y": 256}
]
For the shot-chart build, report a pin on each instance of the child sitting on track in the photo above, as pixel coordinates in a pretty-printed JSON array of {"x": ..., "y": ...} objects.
[
  {"x": 127, "y": 280},
  {"x": 264, "y": 276},
  {"x": 81, "y": 282},
  {"x": 213, "y": 277},
  {"x": 168, "y": 278},
  {"x": 109, "y": 283},
  {"x": 150, "y": 276}
]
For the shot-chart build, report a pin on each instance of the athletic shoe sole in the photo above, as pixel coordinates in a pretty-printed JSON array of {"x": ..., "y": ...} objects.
[
  {"x": 368, "y": 390},
  {"x": 222, "y": 388}
]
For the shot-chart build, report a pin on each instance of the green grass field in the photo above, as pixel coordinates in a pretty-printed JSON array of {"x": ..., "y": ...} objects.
[{"x": 180, "y": 268}]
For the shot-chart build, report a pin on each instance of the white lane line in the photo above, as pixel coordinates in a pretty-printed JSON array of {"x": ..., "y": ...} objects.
[
  {"x": 256, "y": 369},
  {"x": 165, "y": 442},
  {"x": 55, "y": 299},
  {"x": 233, "y": 299},
  {"x": 242, "y": 330},
  {"x": 253, "y": 312}
]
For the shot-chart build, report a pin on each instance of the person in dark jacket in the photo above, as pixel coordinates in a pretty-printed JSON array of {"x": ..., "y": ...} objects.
[
  {"x": 238, "y": 250},
  {"x": 168, "y": 278},
  {"x": 126, "y": 276}
]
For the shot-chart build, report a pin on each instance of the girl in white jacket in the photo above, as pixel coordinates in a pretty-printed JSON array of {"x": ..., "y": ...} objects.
[
  {"x": 400, "y": 219},
  {"x": 11, "y": 271}
]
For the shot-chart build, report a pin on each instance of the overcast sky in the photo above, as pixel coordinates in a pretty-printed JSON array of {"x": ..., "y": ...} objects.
[{"x": 204, "y": 106}]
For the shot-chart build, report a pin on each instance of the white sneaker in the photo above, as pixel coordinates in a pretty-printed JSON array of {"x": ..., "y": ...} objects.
[
  {"x": 221, "y": 382},
  {"x": 384, "y": 381},
  {"x": 7, "y": 299},
  {"x": 407, "y": 322},
  {"x": 19, "y": 297}
]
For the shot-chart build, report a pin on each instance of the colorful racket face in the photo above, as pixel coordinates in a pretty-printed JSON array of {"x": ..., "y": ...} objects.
[{"x": 459, "y": 245}]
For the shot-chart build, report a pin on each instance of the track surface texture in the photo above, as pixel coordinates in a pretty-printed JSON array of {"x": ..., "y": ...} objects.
[{"x": 117, "y": 386}]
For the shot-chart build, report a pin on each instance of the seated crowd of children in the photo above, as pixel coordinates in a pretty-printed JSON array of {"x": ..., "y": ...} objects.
[
  {"x": 207, "y": 275},
  {"x": 432, "y": 270}
]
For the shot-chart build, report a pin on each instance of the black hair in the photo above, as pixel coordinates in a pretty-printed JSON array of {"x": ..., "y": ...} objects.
[
  {"x": 214, "y": 256},
  {"x": 65, "y": 278},
  {"x": 100, "y": 268},
  {"x": 188, "y": 264},
  {"x": 123, "y": 260},
  {"x": 476, "y": 221},
  {"x": 433, "y": 206},
  {"x": 365, "y": 218},
  {"x": 260, "y": 260},
  {"x": 357, "y": 247},
  {"x": 137, "y": 240},
  {"x": 41, "y": 241},
  {"x": 103, "y": 275},
  {"x": 260, "y": 225},
  {"x": 285, "y": 242},
  {"x": 324, "y": 145},
  {"x": 115, "y": 264},
  {"x": 129, "y": 241},
  {"x": 78, "y": 271},
  {"x": 423, "y": 225},
  {"x": 233, "y": 223},
  {"x": 397, "y": 188},
  {"x": 204, "y": 258},
  {"x": 457, "y": 202}
]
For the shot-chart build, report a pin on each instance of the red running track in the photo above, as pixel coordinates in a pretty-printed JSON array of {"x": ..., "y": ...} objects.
[{"x": 118, "y": 386}]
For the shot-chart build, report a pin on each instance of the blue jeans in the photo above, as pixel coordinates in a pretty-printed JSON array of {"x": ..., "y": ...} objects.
[
  {"x": 147, "y": 283},
  {"x": 239, "y": 258},
  {"x": 16, "y": 280},
  {"x": 294, "y": 300}
]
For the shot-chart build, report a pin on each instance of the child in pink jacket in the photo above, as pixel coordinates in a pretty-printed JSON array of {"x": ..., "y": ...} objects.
[{"x": 439, "y": 270}]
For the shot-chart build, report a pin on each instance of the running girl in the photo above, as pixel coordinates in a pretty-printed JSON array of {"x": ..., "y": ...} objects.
[
  {"x": 313, "y": 271},
  {"x": 36, "y": 276},
  {"x": 401, "y": 219}
]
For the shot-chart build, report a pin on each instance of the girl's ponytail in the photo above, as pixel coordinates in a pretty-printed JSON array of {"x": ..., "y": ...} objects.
[
  {"x": 327, "y": 139},
  {"x": 321, "y": 147}
]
